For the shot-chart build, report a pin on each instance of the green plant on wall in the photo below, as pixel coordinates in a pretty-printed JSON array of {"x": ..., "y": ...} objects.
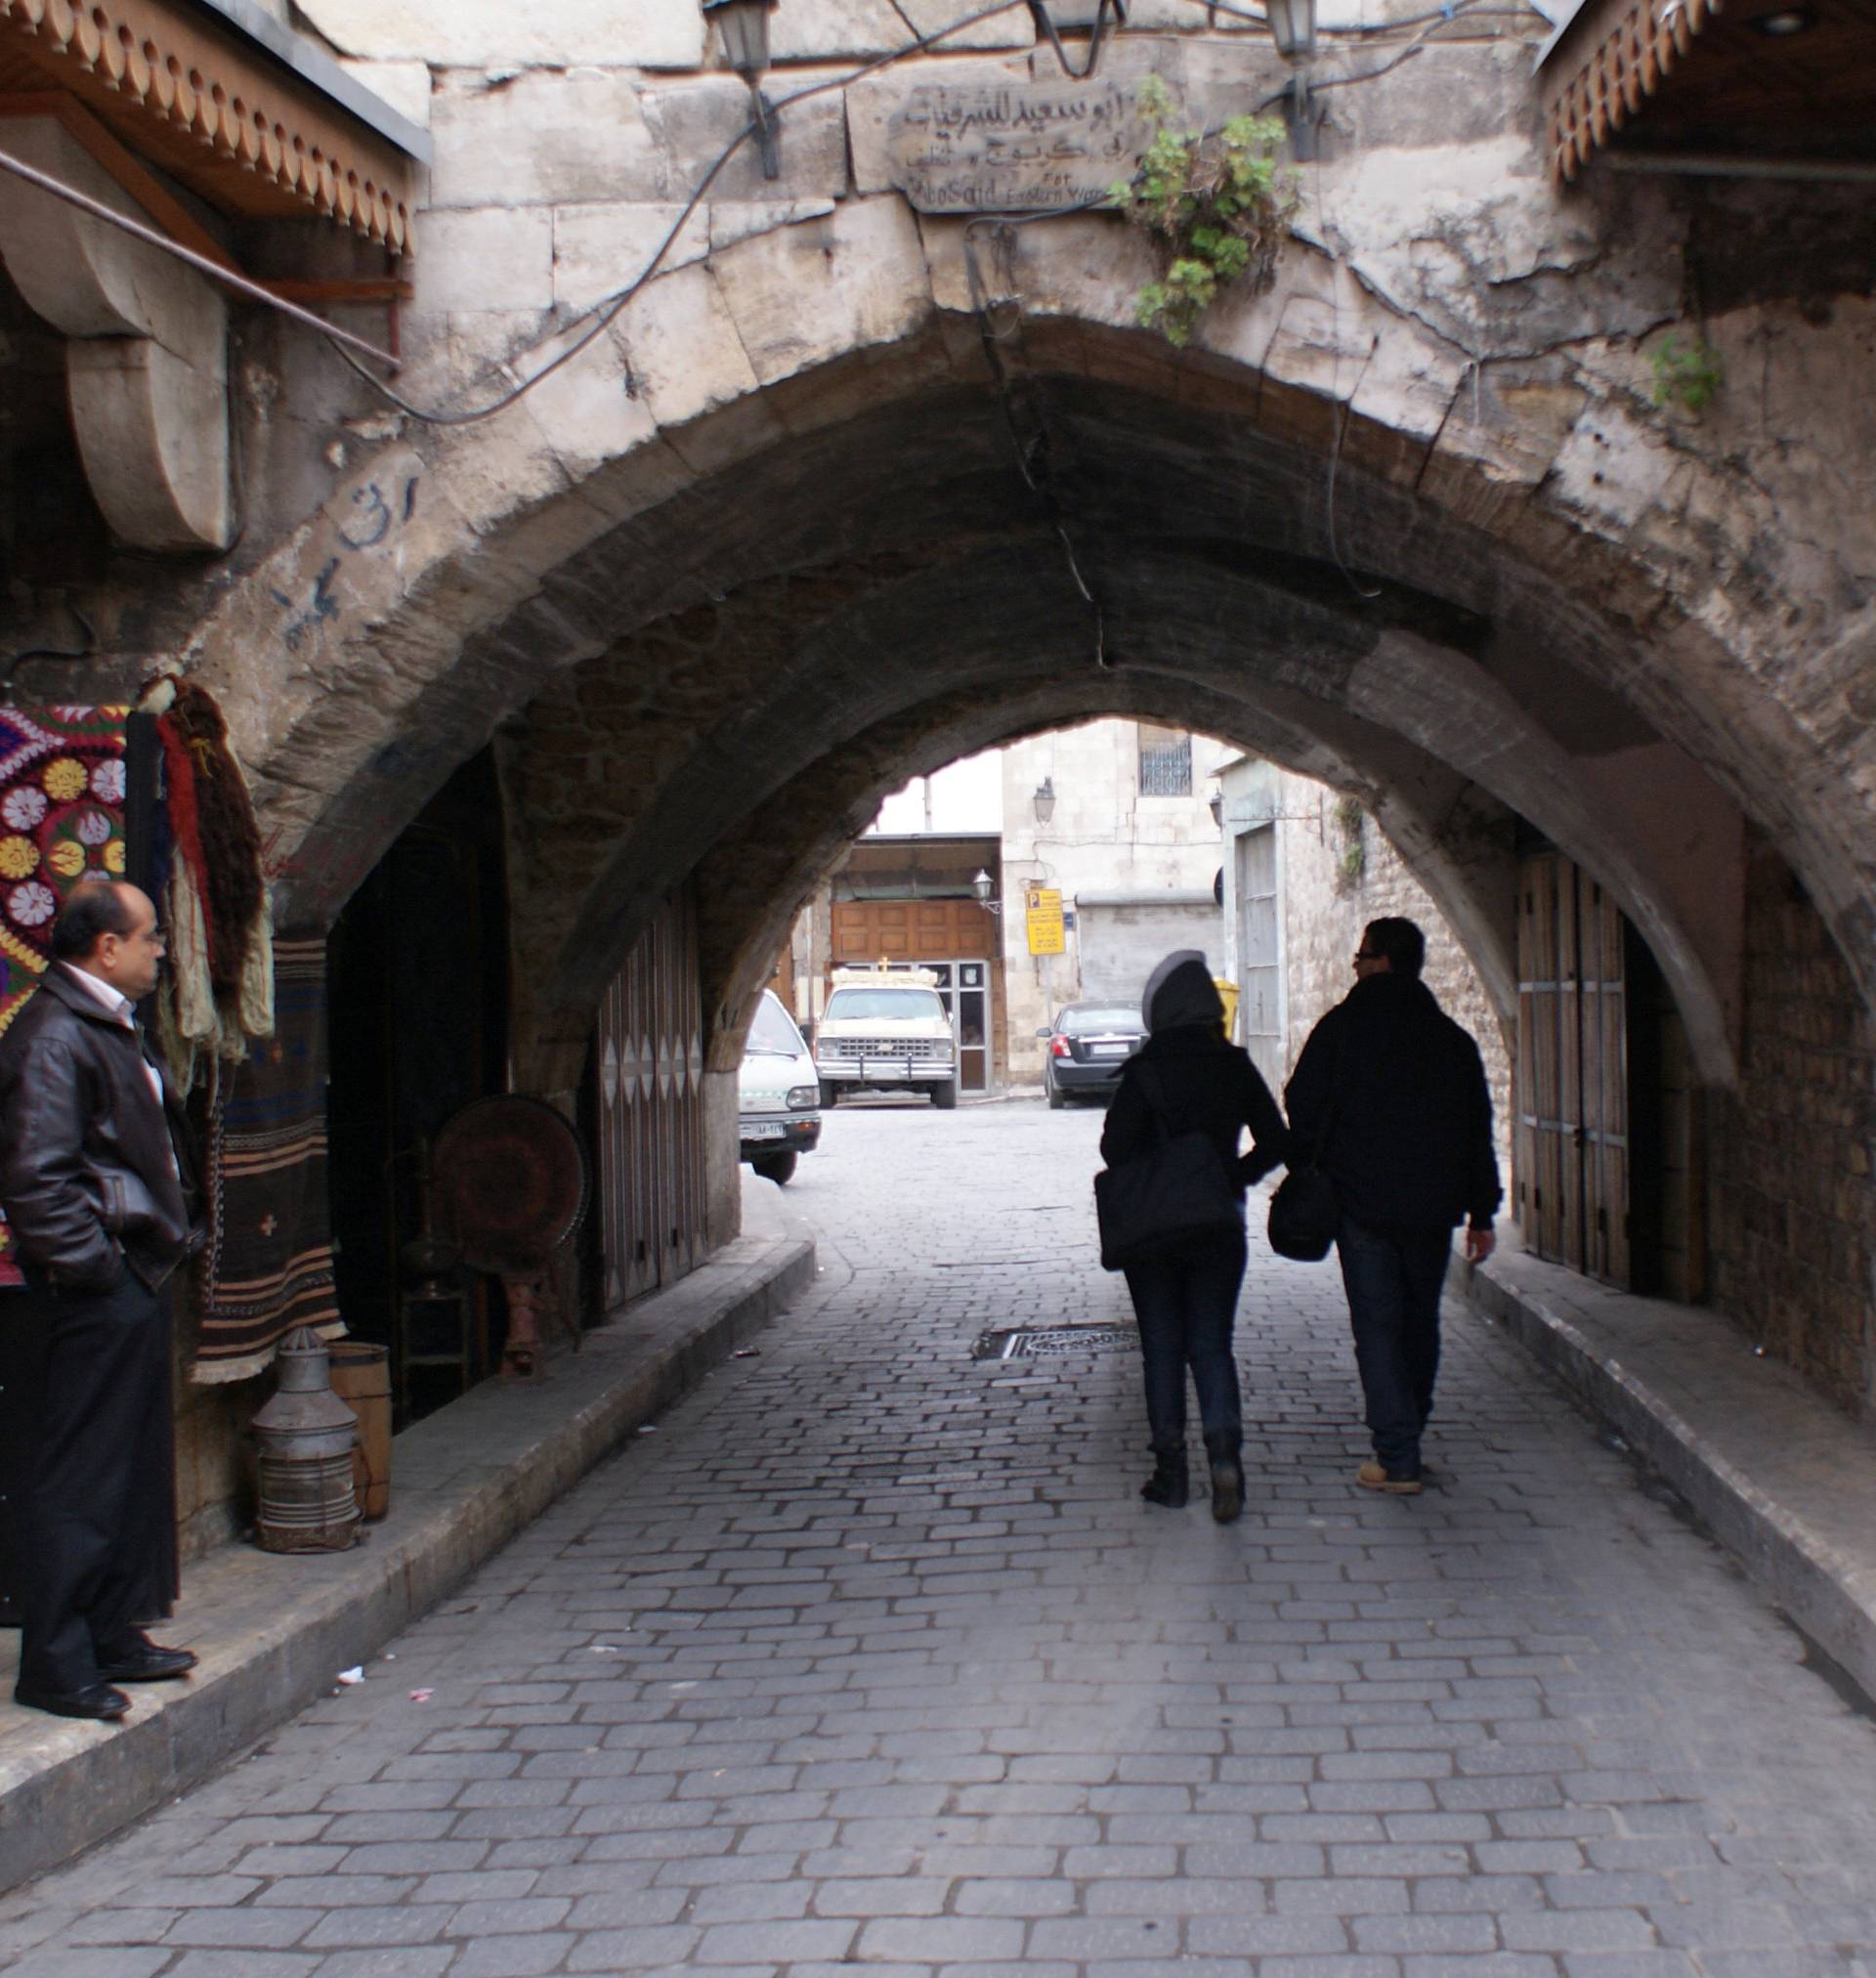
[
  {"x": 1351, "y": 862},
  {"x": 1216, "y": 204},
  {"x": 1687, "y": 375}
]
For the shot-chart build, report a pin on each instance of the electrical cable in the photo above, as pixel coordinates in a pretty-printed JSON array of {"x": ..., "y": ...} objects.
[{"x": 601, "y": 314}]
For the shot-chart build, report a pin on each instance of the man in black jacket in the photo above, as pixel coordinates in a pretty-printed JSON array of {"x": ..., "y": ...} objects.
[
  {"x": 95, "y": 1182},
  {"x": 1390, "y": 1096}
]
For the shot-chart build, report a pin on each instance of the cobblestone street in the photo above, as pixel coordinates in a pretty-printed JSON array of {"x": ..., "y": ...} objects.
[{"x": 869, "y": 1654}]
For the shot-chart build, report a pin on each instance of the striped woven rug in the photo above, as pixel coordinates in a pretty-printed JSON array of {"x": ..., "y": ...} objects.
[{"x": 269, "y": 1263}]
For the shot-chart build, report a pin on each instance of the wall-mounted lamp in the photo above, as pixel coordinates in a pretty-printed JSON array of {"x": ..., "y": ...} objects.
[
  {"x": 983, "y": 886},
  {"x": 1292, "y": 27},
  {"x": 743, "y": 26},
  {"x": 1045, "y": 799},
  {"x": 1215, "y": 805}
]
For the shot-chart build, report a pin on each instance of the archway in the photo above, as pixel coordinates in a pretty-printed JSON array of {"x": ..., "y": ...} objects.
[{"x": 710, "y": 619}]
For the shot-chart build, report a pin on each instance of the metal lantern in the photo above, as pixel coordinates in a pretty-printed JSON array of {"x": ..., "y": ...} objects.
[
  {"x": 1045, "y": 799},
  {"x": 744, "y": 26},
  {"x": 308, "y": 1503},
  {"x": 1293, "y": 27}
]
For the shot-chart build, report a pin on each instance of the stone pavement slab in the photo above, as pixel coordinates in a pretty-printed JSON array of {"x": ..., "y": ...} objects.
[
  {"x": 271, "y": 1631},
  {"x": 870, "y": 1657}
]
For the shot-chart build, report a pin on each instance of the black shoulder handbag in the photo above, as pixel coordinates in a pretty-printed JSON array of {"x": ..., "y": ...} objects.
[
  {"x": 1176, "y": 1194},
  {"x": 1304, "y": 1213}
]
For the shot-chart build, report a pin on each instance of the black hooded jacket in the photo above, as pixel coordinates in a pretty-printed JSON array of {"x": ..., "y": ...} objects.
[
  {"x": 1206, "y": 1084},
  {"x": 1399, "y": 1089}
]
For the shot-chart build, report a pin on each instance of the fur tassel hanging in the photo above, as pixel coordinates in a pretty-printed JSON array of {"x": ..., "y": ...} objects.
[{"x": 218, "y": 991}]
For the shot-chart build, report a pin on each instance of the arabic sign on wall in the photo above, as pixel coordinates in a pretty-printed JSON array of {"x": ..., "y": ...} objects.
[
  {"x": 1042, "y": 914},
  {"x": 1011, "y": 148}
]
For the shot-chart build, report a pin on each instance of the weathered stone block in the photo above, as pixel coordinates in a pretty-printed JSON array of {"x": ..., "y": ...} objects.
[
  {"x": 825, "y": 31},
  {"x": 543, "y": 138},
  {"x": 1013, "y": 28},
  {"x": 493, "y": 34},
  {"x": 808, "y": 293},
  {"x": 599, "y": 249},
  {"x": 488, "y": 259},
  {"x": 695, "y": 122},
  {"x": 683, "y": 347},
  {"x": 403, "y": 85}
]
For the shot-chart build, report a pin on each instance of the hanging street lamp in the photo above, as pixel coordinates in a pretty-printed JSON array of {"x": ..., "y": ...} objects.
[
  {"x": 742, "y": 27},
  {"x": 1292, "y": 27}
]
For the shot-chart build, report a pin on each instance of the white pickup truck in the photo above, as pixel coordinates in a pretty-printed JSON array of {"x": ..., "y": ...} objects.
[{"x": 885, "y": 1030}]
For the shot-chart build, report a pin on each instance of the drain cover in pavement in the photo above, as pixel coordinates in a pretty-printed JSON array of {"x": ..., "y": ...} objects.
[{"x": 1046, "y": 1341}]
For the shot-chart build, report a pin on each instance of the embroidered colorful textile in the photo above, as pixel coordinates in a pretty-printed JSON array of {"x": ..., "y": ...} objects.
[
  {"x": 62, "y": 820},
  {"x": 269, "y": 1263}
]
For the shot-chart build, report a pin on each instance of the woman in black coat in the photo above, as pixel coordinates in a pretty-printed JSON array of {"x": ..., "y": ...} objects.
[{"x": 1186, "y": 1302}]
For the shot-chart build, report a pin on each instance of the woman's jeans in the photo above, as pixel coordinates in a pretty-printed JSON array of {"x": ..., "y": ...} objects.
[
  {"x": 1187, "y": 1306},
  {"x": 1394, "y": 1285}
]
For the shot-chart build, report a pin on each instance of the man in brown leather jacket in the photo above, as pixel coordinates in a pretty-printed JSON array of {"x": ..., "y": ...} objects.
[{"x": 96, "y": 1181}]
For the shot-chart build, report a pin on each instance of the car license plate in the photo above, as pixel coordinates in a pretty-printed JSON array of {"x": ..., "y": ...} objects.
[
  {"x": 883, "y": 1068},
  {"x": 763, "y": 1130},
  {"x": 1107, "y": 1050}
]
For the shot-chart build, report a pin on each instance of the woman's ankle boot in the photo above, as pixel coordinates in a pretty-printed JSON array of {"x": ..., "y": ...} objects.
[
  {"x": 1227, "y": 1487},
  {"x": 1168, "y": 1484}
]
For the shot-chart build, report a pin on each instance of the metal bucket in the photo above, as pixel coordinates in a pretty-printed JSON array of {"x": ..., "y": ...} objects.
[{"x": 306, "y": 1433}]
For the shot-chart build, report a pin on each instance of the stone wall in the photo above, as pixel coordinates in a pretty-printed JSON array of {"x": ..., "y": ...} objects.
[
  {"x": 1335, "y": 872},
  {"x": 1103, "y": 838},
  {"x": 1793, "y": 1235}
]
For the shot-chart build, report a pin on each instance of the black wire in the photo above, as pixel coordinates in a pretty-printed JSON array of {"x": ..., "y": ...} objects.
[{"x": 606, "y": 309}]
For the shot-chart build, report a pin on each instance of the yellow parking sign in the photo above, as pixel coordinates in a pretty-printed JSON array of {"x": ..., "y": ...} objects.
[{"x": 1043, "y": 912}]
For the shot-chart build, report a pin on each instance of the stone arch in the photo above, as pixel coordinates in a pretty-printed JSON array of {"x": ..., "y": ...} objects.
[{"x": 1477, "y": 611}]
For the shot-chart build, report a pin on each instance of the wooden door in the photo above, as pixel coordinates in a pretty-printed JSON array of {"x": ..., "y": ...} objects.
[
  {"x": 650, "y": 1060},
  {"x": 1570, "y": 1141}
]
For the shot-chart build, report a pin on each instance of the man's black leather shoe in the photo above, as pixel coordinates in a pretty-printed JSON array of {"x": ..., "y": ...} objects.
[
  {"x": 147, "y": 1663},
  {"x": 97, "y": 1700}
]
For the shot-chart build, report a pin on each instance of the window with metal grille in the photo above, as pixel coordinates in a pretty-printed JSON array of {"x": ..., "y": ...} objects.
[{"x": 1166, "y": 762}]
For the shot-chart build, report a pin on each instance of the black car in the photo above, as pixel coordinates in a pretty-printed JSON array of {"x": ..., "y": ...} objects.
[{"x": 1087, "y": 1045}]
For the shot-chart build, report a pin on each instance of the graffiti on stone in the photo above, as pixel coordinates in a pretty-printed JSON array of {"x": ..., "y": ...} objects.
[
  {"x": 374, "y": 518},
  {"x": 1017, "y": 147}
]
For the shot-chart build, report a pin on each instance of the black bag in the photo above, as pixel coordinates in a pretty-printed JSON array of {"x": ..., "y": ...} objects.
[
  {"x": 1305, "y": 1216},
  {"x": 1176, "y": 1194}
]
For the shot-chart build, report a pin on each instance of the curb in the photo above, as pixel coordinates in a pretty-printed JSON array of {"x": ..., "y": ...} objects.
[
  {"x": 272, "y": 1630},
  {"x": 1779, "y": 1476}
]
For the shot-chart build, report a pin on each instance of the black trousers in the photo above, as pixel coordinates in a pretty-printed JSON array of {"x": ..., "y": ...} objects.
[
  {"x": 1187, "y": 1307},
  {"x": 1394, "y": 1285},
  {"x": 96, "y": 1540}
]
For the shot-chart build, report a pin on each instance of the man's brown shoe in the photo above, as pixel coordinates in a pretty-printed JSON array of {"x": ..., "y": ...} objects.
[{"x": 1373, "y": 1476}]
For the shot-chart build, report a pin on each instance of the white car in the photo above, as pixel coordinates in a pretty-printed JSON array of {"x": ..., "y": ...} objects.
[
  {"x": 886, "y": 1030},
  {"x": 777, "y": 1093}
]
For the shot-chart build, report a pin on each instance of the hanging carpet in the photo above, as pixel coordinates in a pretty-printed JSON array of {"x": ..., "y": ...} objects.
[
  {"x": 62, "y": 820},
  {"x": 269, "y": 1264}
]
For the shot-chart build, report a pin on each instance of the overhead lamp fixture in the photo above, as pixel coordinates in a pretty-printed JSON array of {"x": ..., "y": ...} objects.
[
  {"x": 1045, "y": 799},
  {"x": 742, "y": 27},
  {"x": 1292, "y": 27},
  {"x": 1785, "y": 21}
]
